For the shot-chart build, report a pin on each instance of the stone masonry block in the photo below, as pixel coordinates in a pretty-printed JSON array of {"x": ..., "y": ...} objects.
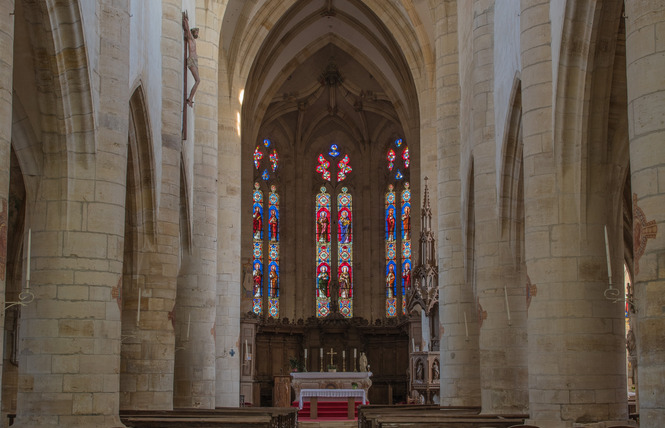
[
  {"x": 82, "y": 404},
  {"x": 76, "y": 328},
  {"x": 65, "y": 364},
  {"x": 82, "y": 383}
]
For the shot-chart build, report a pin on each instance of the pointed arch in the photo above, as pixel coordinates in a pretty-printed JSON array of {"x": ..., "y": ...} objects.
[
  {"x": 140, "y": 156},
  {"x": 511, "y": 185}
]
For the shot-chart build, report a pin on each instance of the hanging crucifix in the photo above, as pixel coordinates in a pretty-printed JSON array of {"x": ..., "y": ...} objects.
[{"x": 191, "y": 64}]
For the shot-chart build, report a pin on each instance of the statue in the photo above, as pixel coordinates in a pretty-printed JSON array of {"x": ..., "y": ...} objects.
[
  {"x": 419, "y": 370},
  {"x": 363, "y": 362},
  {"x": 192, "y": 57},
  {"x": 435, "y": 370}
]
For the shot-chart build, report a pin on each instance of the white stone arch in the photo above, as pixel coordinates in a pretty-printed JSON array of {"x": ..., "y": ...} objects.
[
  {"x": 584, "y": 84},
  {"x": 511, "y": 183}
]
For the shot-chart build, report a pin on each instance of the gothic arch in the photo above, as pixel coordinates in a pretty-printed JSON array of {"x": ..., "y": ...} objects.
[
  {"x": 584, "y": 87},
  {"x": 63, "y": 81},
  {"x": 511, "y": 201},
  {"x": 141, "y": 159}
]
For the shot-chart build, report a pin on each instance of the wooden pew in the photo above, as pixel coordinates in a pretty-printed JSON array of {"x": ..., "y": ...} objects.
[
  {"x": 432, "y": 416},
  {"x": 245, "y": 417}
]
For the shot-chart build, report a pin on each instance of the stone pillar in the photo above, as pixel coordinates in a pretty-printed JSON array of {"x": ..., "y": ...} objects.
[
  {"x": 575, "y": 335},
  {"x": 197, "y": 282},
  {"x": 70, "y": 334},
  {"x": 645, "y": 51},
  {"x": 228, "y": 269},
  {"x": 6, "y": 71},
  {"x": 459, "y": 353},
  {"x": 503, "y": 380},
  {"x": 147, "y": 379}
]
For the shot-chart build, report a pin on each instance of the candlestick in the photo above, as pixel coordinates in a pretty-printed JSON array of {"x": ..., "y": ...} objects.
[
  {"x": 354, "y": 352},
  {"x": 189, "y": 322},
  {"x": 413, "y": 344},
  {"x": 466, "y": 327},
  {"x": 607, "y": 254},
  {"x": 321, "y": 359},
  {"x": 505, "y": 293},
  {"x": 246, "y": 349},
  {"x": 305, "y": 353},
  {"x": 343, "y": 361},
  {"x": 27, "y": 270},
  {"x": 138, "y": 309}
]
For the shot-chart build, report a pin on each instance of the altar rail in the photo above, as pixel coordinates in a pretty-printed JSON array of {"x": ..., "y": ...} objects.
[
  {"x": 380, "y": 416},
  {"x": 250, "y": 417}
]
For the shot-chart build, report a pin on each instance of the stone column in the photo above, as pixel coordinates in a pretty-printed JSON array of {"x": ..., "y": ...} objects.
[
  {"x": 197, "y": 282},
  {"x": 576, "y": 356},
  {"x": 228, "y": 269},
  {"x": 70, "y": 334},
  {"x": 503, "y": 380},
  {"x": 459, "y": 345},
  {"x": 6, "y": 71},
  {"x": 147, "y": 360},
  {"x": 645, "y": 60}
]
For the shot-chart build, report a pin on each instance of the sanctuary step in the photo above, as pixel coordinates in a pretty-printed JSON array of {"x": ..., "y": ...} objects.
[
  {"x": 327, "y": 409},
  {"x": 377, "y": 416},
  {"x": 232, "y": 417}
]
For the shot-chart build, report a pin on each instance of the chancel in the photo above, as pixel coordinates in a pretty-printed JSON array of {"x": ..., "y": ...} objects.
[{"x": 425, "y": 212}]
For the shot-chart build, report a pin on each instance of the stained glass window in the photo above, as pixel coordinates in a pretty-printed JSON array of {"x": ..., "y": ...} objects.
[
  {"x": 344, "y": 168},
  {"x": 391, "y": 159},
  {"x": 391, "y": 253},
  {"x": 334, "y": 232},
  {"x": 265, "y": 233},
  {"x": 345, "y": 252},
  {"x": 322, "y": 168},
  {"x": 258, "y": 155},
  {"x": 397, "y": 228},
  {"x": 257, "y": 237},
  {"x": 406, "y": 243},
  {"x": 323, "y": 268},
  {"x": 273, "y": 252},
  {"x": 274, "y": 159}
]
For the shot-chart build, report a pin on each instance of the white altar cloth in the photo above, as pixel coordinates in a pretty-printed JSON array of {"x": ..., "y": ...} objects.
[{"x": 345, "y": 393}]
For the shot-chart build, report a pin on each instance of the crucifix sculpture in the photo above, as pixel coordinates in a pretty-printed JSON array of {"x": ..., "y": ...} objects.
[{"x": 331, "y": 353}]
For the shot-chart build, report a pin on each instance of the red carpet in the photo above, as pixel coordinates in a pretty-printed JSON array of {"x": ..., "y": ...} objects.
[{"x": 327, "y": 410}]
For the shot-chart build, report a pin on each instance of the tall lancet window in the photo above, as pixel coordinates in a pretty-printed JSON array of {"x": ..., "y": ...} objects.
[
  {"x": 406, "y": 243},
  {"x": 265, "y": 231},
  {"x": 397, "y": 228},
  {"x": 334, "y": 282},
  {"x": 345, "y": 252}
]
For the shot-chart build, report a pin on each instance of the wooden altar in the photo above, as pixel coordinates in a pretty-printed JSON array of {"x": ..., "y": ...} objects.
[
  {"x": 332, "y": 386},
  {"x": 330, "y": 380}
]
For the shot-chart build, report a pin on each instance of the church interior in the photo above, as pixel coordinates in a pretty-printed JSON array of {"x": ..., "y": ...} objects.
[{"x": 428, "y": 204}]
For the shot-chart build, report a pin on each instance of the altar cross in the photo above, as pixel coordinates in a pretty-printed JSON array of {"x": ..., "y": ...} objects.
[{"x": 331, "y": 353}]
